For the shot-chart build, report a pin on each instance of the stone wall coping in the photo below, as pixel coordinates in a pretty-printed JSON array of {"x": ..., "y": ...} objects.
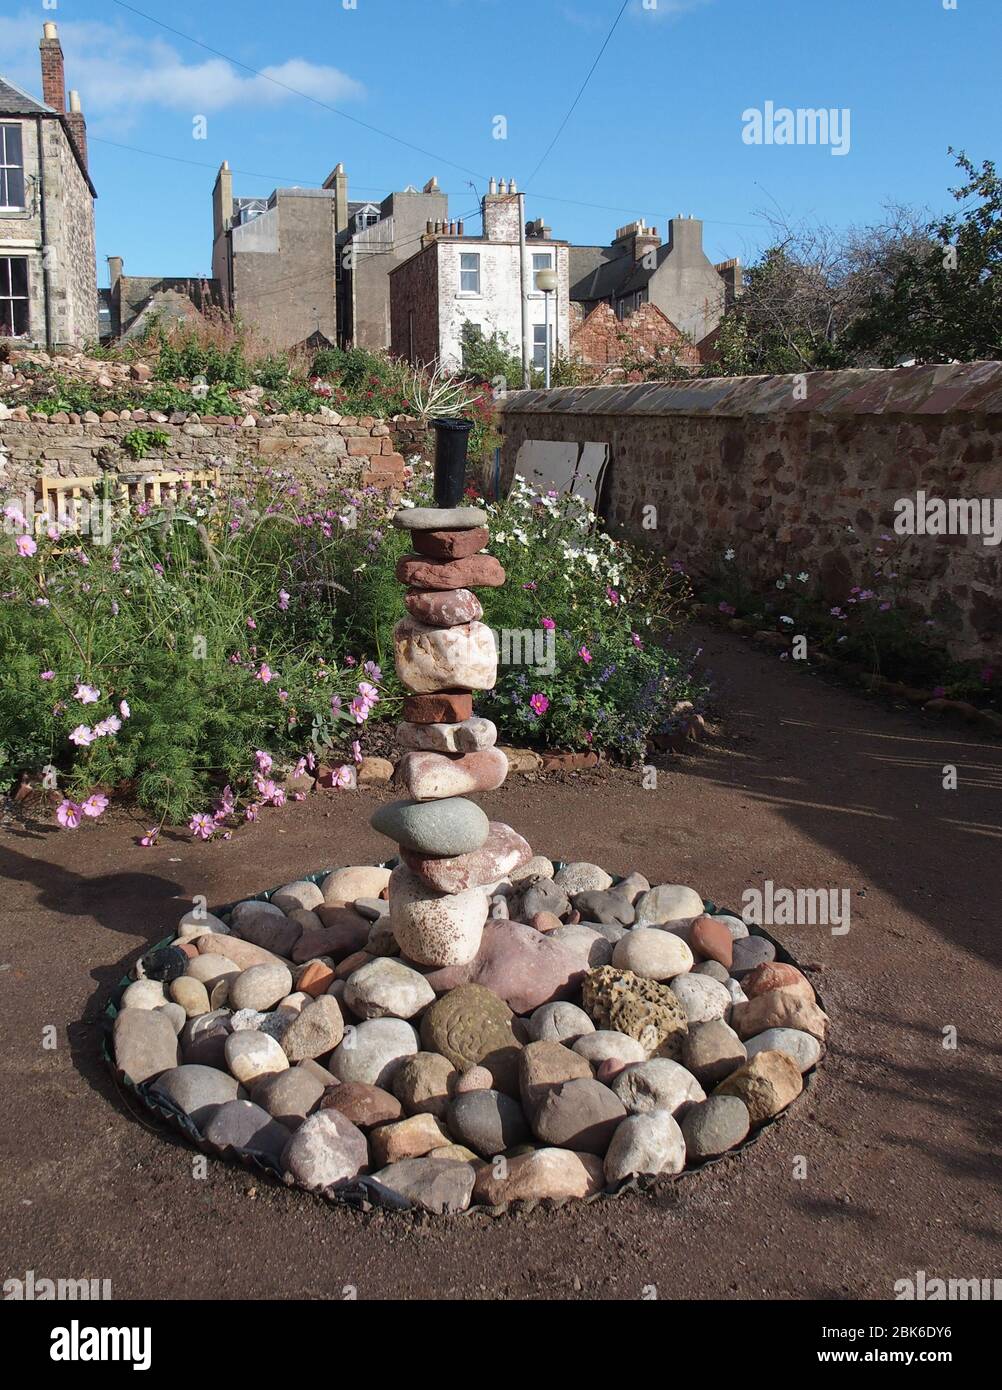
[{"x": 971, "y": 387}]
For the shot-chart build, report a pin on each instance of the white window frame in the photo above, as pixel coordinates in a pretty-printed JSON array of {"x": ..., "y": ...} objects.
[
  {"x": 8, "y": 297},
  {"x": 536, "y": 292},
  {"x": 539, "y": 345},
  {"x": 469, "y": 270},
  {"x": 7, "y": 163}
]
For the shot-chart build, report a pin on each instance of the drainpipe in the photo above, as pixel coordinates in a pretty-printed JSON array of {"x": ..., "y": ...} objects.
[
  {"x": 46, "y": 274},
  {"x": 521, "y": 292}
]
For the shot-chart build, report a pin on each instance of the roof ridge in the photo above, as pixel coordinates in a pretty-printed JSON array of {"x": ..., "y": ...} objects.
[{"x": 35, "y": 103}]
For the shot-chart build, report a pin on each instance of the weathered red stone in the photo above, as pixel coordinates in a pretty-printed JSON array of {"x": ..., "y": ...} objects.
[
  {"x": 442, "y": 707},
  {"x": 450, "y": 545},
  {"x": 316, "y": 979},
  {"x": 443, "y": 608},
  {"x": 711, "y": 940},
  {"x": 475, "y": 571},
  {"x": 777, "y": 974},
  {"x": 564, "y": 762},
  {"x": 501, "y": 853}
]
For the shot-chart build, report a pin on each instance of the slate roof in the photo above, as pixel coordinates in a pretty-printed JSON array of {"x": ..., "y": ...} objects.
[
  {"x": 14, "y": 102},
  {"x": 596, "y": 272}
]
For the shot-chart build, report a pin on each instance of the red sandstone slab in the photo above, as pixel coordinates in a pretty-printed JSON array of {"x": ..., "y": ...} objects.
[
  {"x": 450, "y": 545},
  {"x": 475, "y": 571},
  {"x": 442, "y": 707}
]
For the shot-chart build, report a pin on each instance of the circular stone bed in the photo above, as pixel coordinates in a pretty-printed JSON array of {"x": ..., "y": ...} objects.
[{"x": 606, "y": 1033}]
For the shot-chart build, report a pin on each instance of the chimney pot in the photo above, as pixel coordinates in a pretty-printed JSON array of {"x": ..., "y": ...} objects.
[
  {"x": 50, "y": 31},
  {"x": 75, "y": 103}
]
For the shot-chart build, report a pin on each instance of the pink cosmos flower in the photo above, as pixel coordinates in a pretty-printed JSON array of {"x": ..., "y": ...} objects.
[
  {"x": 368, "y": 692},
  {"x": 251, "y": 624},
  {"x": 540, "y": 703},
  {"x": 585, "y": 655},
  {"x": 613, "y": 596},
  {"x": 283, "y": 599},
  {"x": 531, "y": 585},
  {"x": 124, "y": 710},
  {"x": 202, "y": 826},
  {"x": 68, "y": 814},
  {"x": 82, "y": 736},
  {"x": 86, "y": 694},
  {"x": 548, "y": 623},
  {"x": 343, "y": 777},
  {"x": 356, "y": 751},
  {"x": 252, "y": 811},
  {"x": 637, "y": 640},
  {"x": 264, "y": 761},
  {"x": 727, "y": 609},
  {"x": 360, "y": 709},
  {"x": 26, "y": 545},
  {"x": 111, "y": 725},
  {"x": 283, "y": 694},
  {"x": 373, "y": 671},
  {"x": 47, "y": 676},
  {"x": 95, "y": 805},
  {"x": 151, "y": 837},
  {"x": 52, "y": 532},
  {"x": 264, "y": 673}
]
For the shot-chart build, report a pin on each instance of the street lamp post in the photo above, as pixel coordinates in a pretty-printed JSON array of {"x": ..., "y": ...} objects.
[{"x": 546, "y": 280}]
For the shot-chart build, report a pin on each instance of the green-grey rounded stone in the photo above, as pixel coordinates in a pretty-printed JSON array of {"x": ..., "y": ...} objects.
[
  {"x": 452, "y": 826},
  {"x": 439, "y": 518}
]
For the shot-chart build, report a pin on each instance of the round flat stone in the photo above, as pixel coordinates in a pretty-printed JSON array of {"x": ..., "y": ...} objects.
[
  {"x": 145, "y": 1043},
  {"x": 242, "y": 1125},
  {"x": 471, "y": 1025},
  {"x": 326, "y": 1149},
  {"x": 428, "y": 776},
  {"x": 197, "y": 1090},
  {"x": 451, "y": 545},
  {"x": 488, "y": 1122},
  {"x": 715, "y": 1126},
  {"x": 452, "y": 826},
  {"x": 649, "y": 1143},
  {"x": 501, "y": 853},
  {"x": 443, "y": 607},
  {"x": 469, "y": 736},
  {"x": 440, "y": 518}
]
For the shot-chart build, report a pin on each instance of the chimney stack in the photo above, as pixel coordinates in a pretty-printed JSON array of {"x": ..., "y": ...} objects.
[
  {"x": 78, "y": 127},
  {"x": 53, "y": 78}
]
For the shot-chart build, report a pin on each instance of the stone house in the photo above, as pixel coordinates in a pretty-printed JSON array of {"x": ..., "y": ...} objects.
[
  {"x": 310, "y": 264},
  {"x": 132, "y": 302},
  {"x": 456, "y": 280},
  {"x": 637, "y": 269},
  {"x": 48, "y": 266}
]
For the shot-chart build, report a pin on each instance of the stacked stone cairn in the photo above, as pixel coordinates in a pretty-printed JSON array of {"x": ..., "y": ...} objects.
[{"x": 472, "y": 1027}]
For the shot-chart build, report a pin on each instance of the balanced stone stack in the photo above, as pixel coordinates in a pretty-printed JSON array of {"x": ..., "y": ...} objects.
[{"x": 452, "y": 855}]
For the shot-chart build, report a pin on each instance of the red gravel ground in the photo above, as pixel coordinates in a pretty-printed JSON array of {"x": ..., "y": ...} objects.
[{"x": 811, "y": 786}]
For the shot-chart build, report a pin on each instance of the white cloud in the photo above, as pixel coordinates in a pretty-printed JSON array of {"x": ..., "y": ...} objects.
[{"x": 118, "y": 73}]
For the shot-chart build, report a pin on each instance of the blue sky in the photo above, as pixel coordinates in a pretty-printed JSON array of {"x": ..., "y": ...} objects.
[{"x": 657, "y": 131}]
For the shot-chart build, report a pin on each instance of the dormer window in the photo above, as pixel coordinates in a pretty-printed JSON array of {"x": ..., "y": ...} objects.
[{"x": 11, "y": 169}]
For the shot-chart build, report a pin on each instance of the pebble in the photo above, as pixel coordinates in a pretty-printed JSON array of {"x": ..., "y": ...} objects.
[
  {"x": 713, "y": 970},
  {"x": 606, "y": 1045},
  {"x": 145, "y": 1043},
  {"x": 443, "y": 607},
  {"x": 648, "y": 1143},
  {"x": 472, "y": 1079},
  {"x": 713, "y": 1127},
  {"x": 540, "y": 1174},
  {"x": 542, "y": 895},
  {"x": 468, "y": 736},
  {"x": 451, "y": 827},
  {"x": 386, "y": 988},
  {"x": 423, "y": 1083},
  {"x": 246, "y": 1127},
  {"x": 488, "y": 1122},
  {"x": 342, "y": 887},
  {"x": 537, "y": 867},
  {"x": 175, "y": 1013},
  {"x": 631, "y": 887},
  {"x": 242, "y": 953},
  {"x": 610, "y": 908},
  {"x": 440, "y": 518},
  {"x": 300, "y": 894},
  {"x": 522, "y": 966},
  {"x": 343, "y": 932},
  {"x": 750, "y": 952},
  {"x": 559, "y": 1022},
  {"x": 191, "y": 994},
  {"x": 642, "y": 1009},
  {"x": 372, "y": 909},
  {"x": 273, "y": 931},
  {"x": 652, "y": 954},
  {"x": 543, "y": 1065},
  {"x": 326, "y": 1149},
  {"x": 314, "y": 1030},
  {"x": 165, "y": 963},
  {"x": 471, "y": 1025},
  {"x": 143, "y": 994},
  {"x": 734, "y": 925},
  {"x": 591, "y": 947},
  {"x": 381, "y": 940},
  {"x": 366, "y": 1106},
  {"x": 434, "y": 776},
  {"x": 436, "y": 1184},
  {"x": 702, "y": 998},
  {"x": 777, "y": 975},
  {"x": 657, "y": 1084},
  {"x": 777, "y": 1009},
  {"x": 413, "y": 1137},
  {"x": 545, "y": 921},
  {"x": 212, "y": 970},
  {"x": 581, "y": 1115},
  {"x": 203, "y": 1039},
  {"x": 197, "y": 922},
  {"x": 315, "y": 978},
  {"x": 582, "y": 877},
  {"x": 767, "y": 1083},
  {"x": 502, "y": 852},
  {"x": 372, "y": 1051},
  {"x": 260, "y": 987},
  {"x": 251, "y": 1055},
  {"x": 197, "y": 1090},
  {"x": 436, "y": 928},
  {"x": 712, "y": 1051},
  {"x": 804, "y": 1049},
  {"x": 711, "y": 940},
  {"x": 668, "y": 902},
  {"x": 432, "y": 659},
  {"x": 288, "y": 1096}
]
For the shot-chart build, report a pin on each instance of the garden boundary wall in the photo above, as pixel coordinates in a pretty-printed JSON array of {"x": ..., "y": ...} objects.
[
  {"x": 799, "y": 474},
  {"x": 320, "y": 449}
]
